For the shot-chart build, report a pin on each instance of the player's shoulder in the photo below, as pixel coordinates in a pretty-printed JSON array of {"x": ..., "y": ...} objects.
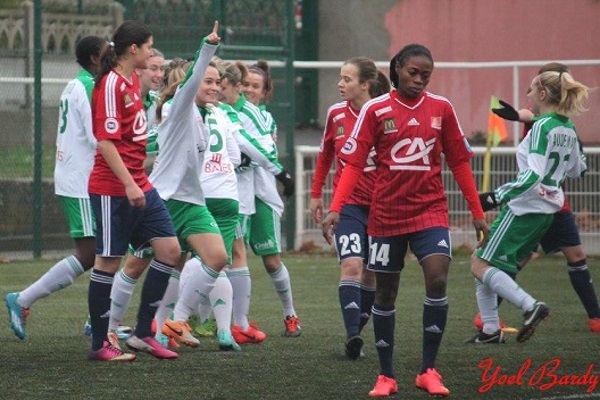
[
  {"x": 337, "y": 107},
  {"x": 436, "y": 98},
  {"x": 378, "y": 105}
]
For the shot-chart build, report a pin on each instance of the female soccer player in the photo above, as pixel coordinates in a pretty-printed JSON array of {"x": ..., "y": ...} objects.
[
  {"x": 563, "y": 234},
  {"x": 261, "y": 200},
  {"x": 258, "y": 89},
  {"x": 128, "y": 209},
  {"x": 219, "y": 184},
  {"x": 547, "y": 155},
  {"x": 75, "y": 149},
  {"x": 186, "y": 132},
  {"x": 360, "y": 81},
  {"x": 151, "y": 80},
  {"x": 409, "y": 130}
]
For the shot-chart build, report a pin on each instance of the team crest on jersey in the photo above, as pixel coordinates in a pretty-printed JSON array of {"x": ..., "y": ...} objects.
[
  {"x": 127, "y": 100},
  {"x": 350, "y": 146},
  {"x": 436, "y": 123},
  {"x": 111, "y": 125},
  {"x": 389, "y": 126},
  {"x": 340, "y": 131}
]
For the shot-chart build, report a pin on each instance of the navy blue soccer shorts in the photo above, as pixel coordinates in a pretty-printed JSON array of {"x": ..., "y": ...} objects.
[
  {"x": 351, "y": 238},
  {"x": 563, "y": 232},
  {"x": 119, "y": 224},
  {"x": 386, "y": 254}
]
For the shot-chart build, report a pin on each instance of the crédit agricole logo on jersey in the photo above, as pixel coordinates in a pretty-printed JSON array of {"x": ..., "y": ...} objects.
[
  {"x": 412, "y": 154},
  {"x": 139, "y": 126}
]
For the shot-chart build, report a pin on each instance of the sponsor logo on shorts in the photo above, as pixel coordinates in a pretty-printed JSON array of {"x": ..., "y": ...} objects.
[{"x": 269, "y": 244}]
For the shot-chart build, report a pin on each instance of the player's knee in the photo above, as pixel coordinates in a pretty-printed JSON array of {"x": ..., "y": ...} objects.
[{"x": 351, "y": 269}]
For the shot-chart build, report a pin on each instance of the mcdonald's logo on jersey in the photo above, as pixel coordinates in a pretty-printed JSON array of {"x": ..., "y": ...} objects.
[
  {"x": 389, "y": 126},
  {"x": 340, "y": 131}
]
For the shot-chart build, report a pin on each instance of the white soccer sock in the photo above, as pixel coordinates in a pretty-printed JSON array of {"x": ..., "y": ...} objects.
[
  {"x": 120, "y": 297},
  {"x": 204, "y": 309},
  {"x": 506, "y": 287},
  {"x": 221, "y": 300},
  {"x": 487, "y": 301},
  {"x": 242, "y": 288},
  {"x": 199, "y": 284},
  {"x": 283, "y": 286},
  {"x": 167, "y": 304},
  {"x": 61, "y": 275}
]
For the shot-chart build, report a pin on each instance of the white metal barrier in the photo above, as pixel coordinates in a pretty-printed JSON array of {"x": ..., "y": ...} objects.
[{"x": 583, "y": 194}]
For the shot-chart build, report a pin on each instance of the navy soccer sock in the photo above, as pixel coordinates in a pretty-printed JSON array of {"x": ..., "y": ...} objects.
[
  {"x": 384, "y": 325},
  {"x": 435, "y": 314},
  {"x": 99, "y": 305},
  {"x": 153, "y": 290},
  {"x": 367, "y": 297},
  {"x": 349, "y": 294},
  {"x": 581, "y": 280}
]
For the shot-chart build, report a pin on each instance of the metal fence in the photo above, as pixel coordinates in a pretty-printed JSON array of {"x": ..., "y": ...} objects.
[{"x": 583, "y": 194}]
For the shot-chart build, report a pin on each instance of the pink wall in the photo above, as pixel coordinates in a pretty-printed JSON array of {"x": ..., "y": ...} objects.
[{"x": 507, "y": 30}]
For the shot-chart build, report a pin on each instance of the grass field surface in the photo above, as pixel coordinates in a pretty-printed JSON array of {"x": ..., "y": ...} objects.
[{"x": 559, "y": 362}]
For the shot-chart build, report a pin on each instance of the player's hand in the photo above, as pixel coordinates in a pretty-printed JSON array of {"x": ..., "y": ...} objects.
[
  {"x": 213, "y": 37},
  {"x": 506, "y": 111},
  {"x": 316, "y": 208},
  {"x": 246, "y": 160},
  {"x": 329, "y": 225},
  {"x": 488, "y": 201},
  {"x": 288, "y": 183},
  {"x": 482, "y": 231},
  {"x": 135, "y": 196}
]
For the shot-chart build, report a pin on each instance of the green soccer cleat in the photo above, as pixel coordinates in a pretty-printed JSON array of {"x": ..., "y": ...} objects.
[{"x": 207, "y": 328}]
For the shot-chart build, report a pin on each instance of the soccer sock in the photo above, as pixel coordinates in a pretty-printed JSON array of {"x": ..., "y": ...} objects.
[
  {"x": 488, "y": 307},
  {"x": 200, "y": 283},
  {"x": 99, "y": 305},
  {"x": 581, "y": 280},
  {"x": 505, "y": 286},
  {"x": 435, "y": 314},
  {"x": 167, "y": 304},
  {"x": 221, "y": 300},
  {"x": 120, "y": 296},
  {"x": 204, "y": 308},
  {"x": 513, "y": 275},
  {"x": 367, "y": 297},
  {"x": 242, "y": 288},
  {"x": 283, "y": 286},
  {"x": 349, "y": 294},
  {"x": 384, "y": 323},
  {"x": 61, "y": 275},
  {"x": 153, "y": 291}
]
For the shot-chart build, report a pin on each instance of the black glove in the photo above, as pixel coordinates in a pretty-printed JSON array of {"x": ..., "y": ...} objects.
[
  {"x": 507, "y": 111},
  {"x": 246, "y": 160},
  {"x": 288, "y": 183},
  {"x": 488, "y": 201}
]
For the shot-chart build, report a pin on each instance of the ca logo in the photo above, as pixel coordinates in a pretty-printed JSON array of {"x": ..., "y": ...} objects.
[{"x": 406, "y": 152}]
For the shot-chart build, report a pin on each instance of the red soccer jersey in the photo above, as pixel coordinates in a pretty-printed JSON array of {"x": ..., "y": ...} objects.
[
  {"x": 341, "y": 118},
  {"x": 118, "y": 114},
  {"x": 409, "y": 137}
]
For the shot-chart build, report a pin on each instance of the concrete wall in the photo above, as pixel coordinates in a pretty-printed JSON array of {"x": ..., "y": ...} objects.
[{"x": 467, "y": 30}]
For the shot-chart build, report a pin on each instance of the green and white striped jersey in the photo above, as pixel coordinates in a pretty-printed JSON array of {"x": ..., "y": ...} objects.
[
  {"x": 150, "y": 103},
  {"x": 75, "y": 141},
  {"x": 182, "y": 138},
  {"x": 254, "y": 140},
  {"x": 549, "y": 153}
]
